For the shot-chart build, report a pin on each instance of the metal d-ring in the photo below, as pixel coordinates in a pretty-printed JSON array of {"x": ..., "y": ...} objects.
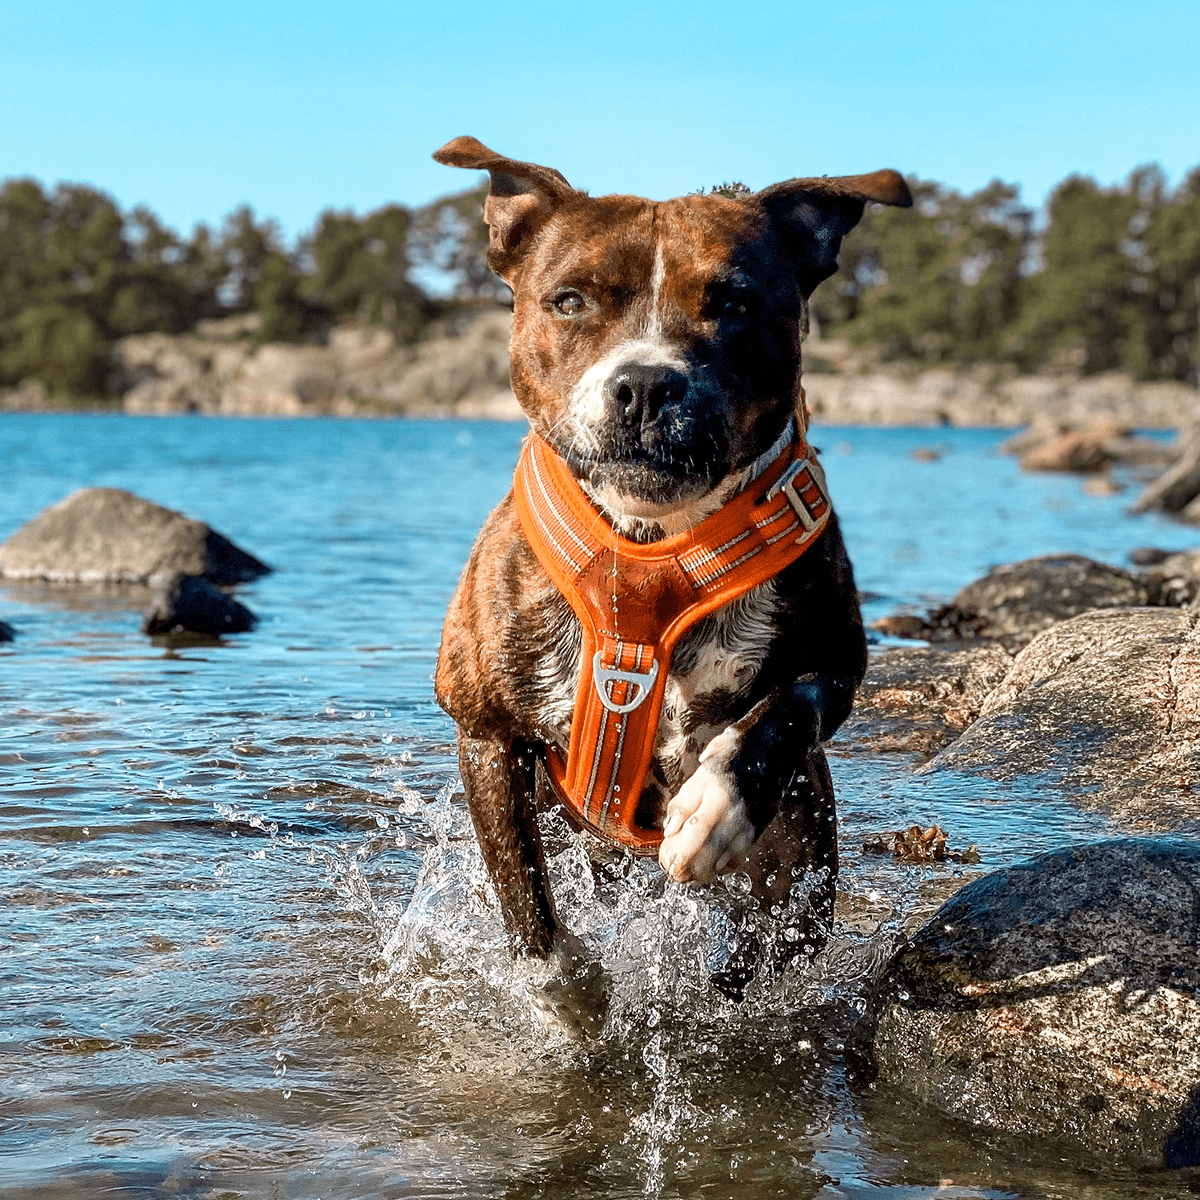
[{"x": 602, "y": 676}]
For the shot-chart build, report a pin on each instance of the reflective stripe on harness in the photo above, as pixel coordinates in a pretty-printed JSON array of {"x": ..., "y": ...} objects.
[{"x": 635, "y": 601}]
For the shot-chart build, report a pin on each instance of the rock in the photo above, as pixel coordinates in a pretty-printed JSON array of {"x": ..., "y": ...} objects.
[
  {"x": 1013, "y": 603},
  {"x": 915, "y": 700},
  {"x": 107, "y": 535},
  {"x": 1106, "y": 709},
  {"x": 1148, "y": 556},
  {"x": 1178, "y": 485},
  {"x": 1174, "y": 578},
  {"x": 189, "y": 604},
  {"x": 1049, "y": 444},
  {"x": 1059, "y": 1000},
  {"x": 1073, "y": 449},
  {"x": 7, "y": 632}
]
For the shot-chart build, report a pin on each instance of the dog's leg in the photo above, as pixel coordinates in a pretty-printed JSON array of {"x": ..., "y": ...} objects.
[
  {"x": 567, "y": 989},
  {"x": 761, "y": 802},
  {"x": 797, "y": 850}
]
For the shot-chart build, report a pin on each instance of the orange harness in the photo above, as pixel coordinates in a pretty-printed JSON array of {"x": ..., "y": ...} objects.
[{"x": 635, "y": 601}]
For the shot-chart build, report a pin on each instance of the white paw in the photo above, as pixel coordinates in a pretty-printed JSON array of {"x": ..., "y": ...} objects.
[
  {"x": 568, "y": 991},
  {"x": 706, "y": 827}
]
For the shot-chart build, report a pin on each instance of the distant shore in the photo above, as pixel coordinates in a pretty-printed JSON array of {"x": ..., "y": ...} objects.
[{"x": 461, "y": 370}]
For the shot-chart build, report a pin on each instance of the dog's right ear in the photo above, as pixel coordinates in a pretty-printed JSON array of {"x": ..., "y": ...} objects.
[{"x": 522, "y": 197}]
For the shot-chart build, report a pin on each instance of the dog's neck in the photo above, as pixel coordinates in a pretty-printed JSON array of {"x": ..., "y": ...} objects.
[{"x": 642, "y": 522}]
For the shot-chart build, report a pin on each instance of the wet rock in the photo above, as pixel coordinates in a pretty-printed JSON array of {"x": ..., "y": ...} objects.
[
  {"x": 1015, "y": 602},
  {"x": 7, "y": 632},
  {"x": 915, "y": 700},
  {"x": 107, "y": 535},
  {"x": 1059, "y": 1000},
  {"x": 189, "y": 604},
  {"x": 1106, "y": 708},
  {"x": 1178, "y": 486}
]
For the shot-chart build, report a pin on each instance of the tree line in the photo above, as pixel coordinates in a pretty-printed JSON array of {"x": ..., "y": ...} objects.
[{"x": 1109, "y": 280}]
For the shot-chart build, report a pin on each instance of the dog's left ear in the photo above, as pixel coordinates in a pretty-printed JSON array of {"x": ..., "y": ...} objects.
[{"x": 815, "y": 214}]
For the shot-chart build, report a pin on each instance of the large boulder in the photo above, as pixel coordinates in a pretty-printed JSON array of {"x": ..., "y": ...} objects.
[
  {"x": 916, "y": 699},
  {"x": 1106, "y": 708},
  {"x": 1058, "y": 1000},
  {"x": 108, "y": 535},
  {"x": 1015, "y": 602}
]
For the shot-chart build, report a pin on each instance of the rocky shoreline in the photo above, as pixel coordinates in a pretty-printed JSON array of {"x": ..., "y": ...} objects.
[{"x": 461, "y": 370}]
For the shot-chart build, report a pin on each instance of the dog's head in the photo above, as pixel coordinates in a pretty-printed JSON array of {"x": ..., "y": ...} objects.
[{"x": 656, "y": 346}]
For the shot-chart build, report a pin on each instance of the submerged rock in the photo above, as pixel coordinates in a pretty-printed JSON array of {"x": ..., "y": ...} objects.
[
  {"x": 1015, "y": 602},
  {"x": 1059, "y": 999},
  {"x": 108, "y": 535},
  {"x": 7, "y": 632},
  {"x": 1107, "y": 707},
  {"x": 187, "y": 603},
  {"x": 916, "y": 699}
]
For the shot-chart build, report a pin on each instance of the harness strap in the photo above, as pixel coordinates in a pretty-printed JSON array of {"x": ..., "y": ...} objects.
[{"x": 636, "y": 600}]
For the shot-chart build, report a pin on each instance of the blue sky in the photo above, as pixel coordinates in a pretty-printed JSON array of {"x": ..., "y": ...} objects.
[{"x": 193, "y": 108}]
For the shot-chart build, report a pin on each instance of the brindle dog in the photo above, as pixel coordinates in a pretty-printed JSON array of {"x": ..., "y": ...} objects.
[{"x": 656, "y": 348}]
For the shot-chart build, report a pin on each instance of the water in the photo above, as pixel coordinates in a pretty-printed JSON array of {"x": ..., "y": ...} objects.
[{"x": 246, "y": 948}]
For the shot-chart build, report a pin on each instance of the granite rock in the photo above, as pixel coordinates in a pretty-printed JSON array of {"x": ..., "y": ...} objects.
[
  {"x": 108, "y": 535},
  {"x": 1015, "y": 602},
  {"x": 917, "y": 699},
  {"x": 1059, "y": 1000},
  {"x": 1105, "y": 708}
]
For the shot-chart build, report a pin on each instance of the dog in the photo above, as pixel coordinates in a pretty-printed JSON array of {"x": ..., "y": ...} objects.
[{"x": 658, "y": 627}]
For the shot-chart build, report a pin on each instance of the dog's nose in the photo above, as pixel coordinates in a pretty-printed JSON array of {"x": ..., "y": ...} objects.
[{"x": 636, "y": 394}]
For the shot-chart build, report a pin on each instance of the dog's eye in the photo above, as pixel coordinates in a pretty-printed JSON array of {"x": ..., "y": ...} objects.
[
  {"x": 570, "y": 304},
  {"x": 728, "y": 303}
]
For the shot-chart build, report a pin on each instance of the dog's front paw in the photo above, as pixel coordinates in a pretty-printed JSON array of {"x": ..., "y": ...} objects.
[
  {"x": 707, "y": 827},
  {"x": 569, "y": 990}
]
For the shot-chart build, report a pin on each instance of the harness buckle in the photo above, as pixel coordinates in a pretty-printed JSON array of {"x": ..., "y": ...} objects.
[
  {"x": 786, "y": 484},
  {"x": 602, "y": 676}
]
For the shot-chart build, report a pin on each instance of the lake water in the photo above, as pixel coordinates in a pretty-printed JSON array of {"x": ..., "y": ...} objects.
[{"x": 245, "y": 946}]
